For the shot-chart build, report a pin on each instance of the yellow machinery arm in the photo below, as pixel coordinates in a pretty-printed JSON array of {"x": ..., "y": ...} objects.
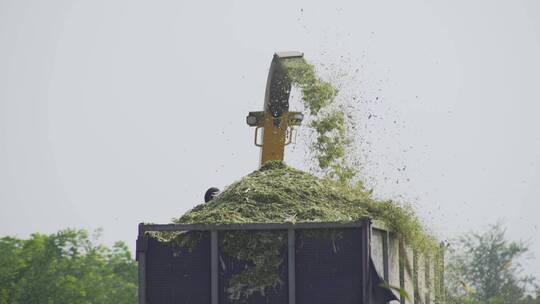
[{"x": 275, "y": 120}]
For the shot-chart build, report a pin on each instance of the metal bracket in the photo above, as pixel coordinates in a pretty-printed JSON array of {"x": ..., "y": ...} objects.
[
  {"x": 290, "y": 133},
  {"x": 257, "y": 136}
]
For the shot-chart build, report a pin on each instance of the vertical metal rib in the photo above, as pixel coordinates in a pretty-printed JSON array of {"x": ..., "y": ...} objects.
[
  {"x": 441, "y": 282},
  {"x": 386, "y": 248},
  {"x": 366, "y": 251},
  {"x": 214, "y": 266},
  {"x": 141, "y": 256},
  {"x": 416, "y": 292},
  {"x": 427, "y": 274},
  {"x": 291, "y": 256},
  {"x": 402, "y": 257}
]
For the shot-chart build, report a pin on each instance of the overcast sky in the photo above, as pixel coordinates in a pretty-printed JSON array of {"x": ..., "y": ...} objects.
[{"x": 118, "y": 112}]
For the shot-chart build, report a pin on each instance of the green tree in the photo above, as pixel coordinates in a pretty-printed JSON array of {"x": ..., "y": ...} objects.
[
  {"x": 532, "y": 300},
  {"x": 485, "y": 268},
  {"x": 66, "y": 267}
]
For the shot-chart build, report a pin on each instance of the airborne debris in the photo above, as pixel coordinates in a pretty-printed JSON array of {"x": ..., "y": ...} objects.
[{"x": 333, "y": 141}]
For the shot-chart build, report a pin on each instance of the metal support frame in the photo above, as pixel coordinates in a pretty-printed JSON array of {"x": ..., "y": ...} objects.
[
  {"x": 402, "y": 257},
  {"x": 365, "y": 256},
  {"x": 140, "y": 255},
  {"x": 143, "y": 228},
  {"x": 386, "y": 263},
  {"x": 291, "y": 258},
  {"x": 416, "y": 287},
  {"x": 427, "y": 279},
  {"x": 441, "y": 277},
  {"x": 214, "y": 271},
  {"x": 291, "y": 250},
  {"x": 386, "y": 260},
  {"x": 438, "y": 279}
]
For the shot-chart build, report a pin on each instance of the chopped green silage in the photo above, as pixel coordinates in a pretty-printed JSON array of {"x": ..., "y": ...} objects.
[
  {"x": 333, "y": 140},
  {"x": 279, "y": 194},
  {"x": 317, "y": 94},
  {"x": 262, "y": 249}
]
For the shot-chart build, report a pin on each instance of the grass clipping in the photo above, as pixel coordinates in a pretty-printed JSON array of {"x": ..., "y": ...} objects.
[
  {"x": 332, "y": 139},
  {"x": 277, "y": 193}
]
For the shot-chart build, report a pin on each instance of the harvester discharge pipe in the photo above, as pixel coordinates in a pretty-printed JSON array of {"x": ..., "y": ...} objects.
[{"x": 275, "y": 120}]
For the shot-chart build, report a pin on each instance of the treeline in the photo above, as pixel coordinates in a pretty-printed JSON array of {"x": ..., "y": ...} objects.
[
  {"x": 485, "y": 268},
  {"x": 68, "y": 267},
  {"x": 65, "y": 268}
]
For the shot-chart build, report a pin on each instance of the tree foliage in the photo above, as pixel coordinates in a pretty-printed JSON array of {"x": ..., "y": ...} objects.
[
  {"x": 485, "y": 268},
  {"x": 65, "y": 267}
]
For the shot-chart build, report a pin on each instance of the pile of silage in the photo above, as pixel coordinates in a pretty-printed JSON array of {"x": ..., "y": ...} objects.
[{"x": 277, "y": 193}]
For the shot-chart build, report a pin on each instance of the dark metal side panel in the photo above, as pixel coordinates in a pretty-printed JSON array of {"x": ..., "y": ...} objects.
[
  {"x": 178, "y": 279},
  {"x": 329, "y": 269}
]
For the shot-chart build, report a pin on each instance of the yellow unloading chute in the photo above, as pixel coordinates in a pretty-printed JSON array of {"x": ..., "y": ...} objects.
[{"x": 275, "y": 120}]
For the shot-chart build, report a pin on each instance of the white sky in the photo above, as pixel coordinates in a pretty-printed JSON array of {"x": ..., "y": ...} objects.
[{"x": 118, "y": 112}]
